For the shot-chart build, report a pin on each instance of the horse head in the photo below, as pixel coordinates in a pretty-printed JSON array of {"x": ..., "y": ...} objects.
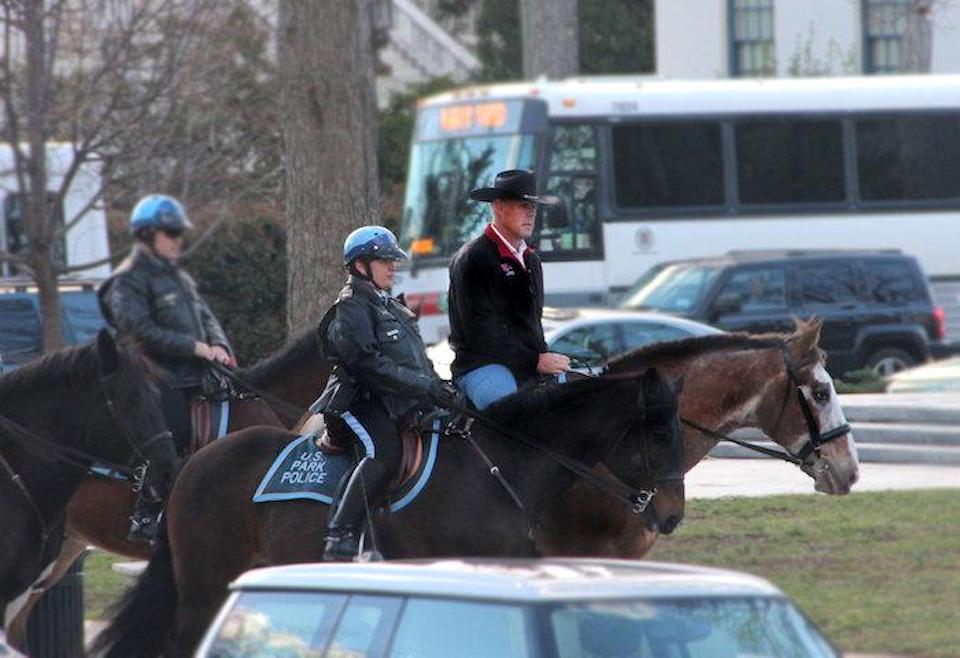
[
  {"x": 127, "y": 390},
  {"x": 806, "y": 417},
  {"x": 651, "y": 454}
]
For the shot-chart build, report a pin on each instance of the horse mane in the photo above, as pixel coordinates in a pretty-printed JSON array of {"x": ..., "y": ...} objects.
[
  {"x": 303, "y": 348},
  {"x": 73, "y": 364},
  {"x": 532, "y": 409},
  {"x": 700, "y": 345},
  {"x": 70, "y": 365}
]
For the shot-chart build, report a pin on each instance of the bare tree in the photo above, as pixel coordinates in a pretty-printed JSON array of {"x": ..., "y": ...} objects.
[
  {"x": 550, "y": 38},
  {"x": 330, "y": 136},
  {"x": 130, "y": 86}
]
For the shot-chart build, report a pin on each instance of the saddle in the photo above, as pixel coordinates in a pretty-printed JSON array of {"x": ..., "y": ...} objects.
[
  {"x": 411, "y": 436},
  {"x": 210, "y": 411}
]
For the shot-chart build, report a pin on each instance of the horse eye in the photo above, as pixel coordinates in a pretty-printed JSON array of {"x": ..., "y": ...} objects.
[{"x": 821, "y": 394}]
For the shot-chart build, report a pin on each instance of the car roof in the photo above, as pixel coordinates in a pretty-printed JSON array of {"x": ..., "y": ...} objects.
[
  {"x": 555, "y": 318},
  {"x": 747, "y": 256},
  {"x": 512, "y": 580}
]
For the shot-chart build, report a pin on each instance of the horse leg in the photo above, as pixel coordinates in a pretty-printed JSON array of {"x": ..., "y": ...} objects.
[
  {"x": 71, "y": 549},
  {"x": 99, "y": 512}
]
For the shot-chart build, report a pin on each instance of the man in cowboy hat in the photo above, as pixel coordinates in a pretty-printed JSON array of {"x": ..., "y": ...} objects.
[{"x": 496, "y": 297}]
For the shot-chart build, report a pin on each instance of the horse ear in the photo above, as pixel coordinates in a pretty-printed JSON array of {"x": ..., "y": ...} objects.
[
  {"x": 107, "y": 351},
  {"x": 805, "y": 339},
  {"x": 649, "y": 385},
  {"x": 678, "y": 385}
]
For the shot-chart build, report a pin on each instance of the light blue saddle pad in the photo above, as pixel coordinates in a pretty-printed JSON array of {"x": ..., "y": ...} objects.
[{"x": 303, "y": 472}]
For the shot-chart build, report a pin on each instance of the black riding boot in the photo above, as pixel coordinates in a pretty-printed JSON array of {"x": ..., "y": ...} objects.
[{"x": 366, "y": 487}]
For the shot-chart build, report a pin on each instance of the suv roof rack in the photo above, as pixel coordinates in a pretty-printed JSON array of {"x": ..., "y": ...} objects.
[
  {"x": 26, "y": 284},
  {"x": 795, "y": 253}
]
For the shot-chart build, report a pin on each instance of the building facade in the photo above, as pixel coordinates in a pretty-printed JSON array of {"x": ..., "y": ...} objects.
[{"x": 780, "y": 38}]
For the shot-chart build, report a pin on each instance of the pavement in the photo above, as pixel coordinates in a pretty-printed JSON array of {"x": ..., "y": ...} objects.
[{"x": 716, "y": 478}]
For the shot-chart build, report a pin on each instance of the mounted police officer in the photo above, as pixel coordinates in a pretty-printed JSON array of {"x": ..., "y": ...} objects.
[
  {"x": 152, "y": 300},
  {"x": 496, "y": 297},
  {"x": 381, "y": 374}
]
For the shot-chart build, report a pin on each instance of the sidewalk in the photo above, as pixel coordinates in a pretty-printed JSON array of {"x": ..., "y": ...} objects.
[{"x": 715, "y": 478}]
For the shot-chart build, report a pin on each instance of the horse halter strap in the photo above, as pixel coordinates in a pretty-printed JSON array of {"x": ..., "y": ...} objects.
[{"x": 816, "y": 439}]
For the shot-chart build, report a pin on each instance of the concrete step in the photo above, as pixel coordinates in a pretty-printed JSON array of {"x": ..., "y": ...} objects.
[
  {"x": 932, "y": 408},
  {"x": 868, "y": 452},
  {"x": 906, "y": 434}
]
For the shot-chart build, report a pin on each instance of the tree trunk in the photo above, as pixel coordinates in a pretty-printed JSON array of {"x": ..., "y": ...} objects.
[
  {"x": 550, "y": 40},
  {"x": 330, "y": 135},
  {"x": 37, "y": 213}
]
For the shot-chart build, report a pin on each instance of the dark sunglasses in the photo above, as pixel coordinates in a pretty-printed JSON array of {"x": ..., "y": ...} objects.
[{"x": 172, "y": 233}]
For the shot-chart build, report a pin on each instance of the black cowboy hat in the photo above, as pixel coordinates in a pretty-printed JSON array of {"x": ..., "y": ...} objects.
[{"x": 516, "y": 185}]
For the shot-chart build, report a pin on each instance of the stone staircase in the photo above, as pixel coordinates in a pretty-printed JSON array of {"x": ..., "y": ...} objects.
[{"x": 890, "y": 428}]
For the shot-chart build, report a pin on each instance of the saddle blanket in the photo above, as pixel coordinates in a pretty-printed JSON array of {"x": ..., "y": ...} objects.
[{"x": 303, "y": 472}]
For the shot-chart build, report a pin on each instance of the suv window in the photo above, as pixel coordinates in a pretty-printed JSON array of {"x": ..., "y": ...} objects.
[
  {"x": 891, "y": 282},
  {"x": 757, "y": 289},
  {"x": 827, "y": 283}
]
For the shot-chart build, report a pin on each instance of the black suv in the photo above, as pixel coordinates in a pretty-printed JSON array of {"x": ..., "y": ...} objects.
[
  {"x": 876, "y": 306},
  {"x": 21, "y": 331}
]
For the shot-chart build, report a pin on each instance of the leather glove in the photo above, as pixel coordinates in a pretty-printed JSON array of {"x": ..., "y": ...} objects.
[{"x": 446, "y": 395}]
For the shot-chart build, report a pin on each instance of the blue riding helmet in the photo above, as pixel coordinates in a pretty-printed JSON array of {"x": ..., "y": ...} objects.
[
  {"x": 160, "y": 212},
  {"x": 372, "y": 242}
]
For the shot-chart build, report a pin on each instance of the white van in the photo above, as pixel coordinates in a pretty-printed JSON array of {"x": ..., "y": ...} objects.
[{"x": 85, "y": 241}]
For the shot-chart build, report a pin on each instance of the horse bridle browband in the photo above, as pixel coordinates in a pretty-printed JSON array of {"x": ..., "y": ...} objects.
[{"x": 816, "y": 438}]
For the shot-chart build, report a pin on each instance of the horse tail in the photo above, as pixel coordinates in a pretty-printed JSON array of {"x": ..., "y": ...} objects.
[{"x": 143, "y": 617}]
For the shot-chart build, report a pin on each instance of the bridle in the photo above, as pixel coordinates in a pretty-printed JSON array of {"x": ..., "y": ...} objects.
[
  {"x": 47, "y": 449},
  {"x": 816, "y": 439}
]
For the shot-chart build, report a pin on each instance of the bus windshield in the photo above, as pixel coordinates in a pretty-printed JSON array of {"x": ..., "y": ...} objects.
[
  {"x": 676, "y": 288},
  {"x": 438, "y": 214}
]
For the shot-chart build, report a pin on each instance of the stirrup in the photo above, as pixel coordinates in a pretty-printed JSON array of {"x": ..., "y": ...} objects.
[
  {"x": 341, "y": 546},
  {"x": 143, "y": 529}
]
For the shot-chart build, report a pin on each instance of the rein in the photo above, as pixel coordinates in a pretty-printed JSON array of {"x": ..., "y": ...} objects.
[
  {"x": 638, "y": 499},
  {"x": 816, "y": 439},
  {"x": 291, "y": 410}
]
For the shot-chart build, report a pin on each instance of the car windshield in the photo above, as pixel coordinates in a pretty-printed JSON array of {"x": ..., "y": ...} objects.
[
  {"x": 674, "y": 288},
  {"x": 693, "y": 628}
]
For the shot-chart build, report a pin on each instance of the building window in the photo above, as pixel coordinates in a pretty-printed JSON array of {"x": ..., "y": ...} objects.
[
  {"x": 751, "y": 38},
  {"x": 884, "y": 23}
]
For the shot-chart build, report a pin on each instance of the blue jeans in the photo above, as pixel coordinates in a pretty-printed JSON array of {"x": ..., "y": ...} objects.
[{"x": 487, "y": 384}]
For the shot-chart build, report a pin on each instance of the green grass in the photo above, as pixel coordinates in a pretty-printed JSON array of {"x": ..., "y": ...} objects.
[
  {"x": 101, "y": 584},
  {"x": 879, "y": 572}
]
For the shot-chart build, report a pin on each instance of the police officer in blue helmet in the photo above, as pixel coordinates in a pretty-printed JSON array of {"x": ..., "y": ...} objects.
[
  {"x": 380, "y": 377},
  {"x": 152, "y": 300}
]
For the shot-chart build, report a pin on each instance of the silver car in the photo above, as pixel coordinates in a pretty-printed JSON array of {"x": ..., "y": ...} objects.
[
  {"x": 569, "y": 608},
  {"x": 593, "y": 336}
]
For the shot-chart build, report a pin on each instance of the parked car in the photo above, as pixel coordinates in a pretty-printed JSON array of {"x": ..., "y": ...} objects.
[
  {"x": 876, "y": 306},
  {"x": 940, "y": 376},
  {"x": 565, "y": 608},
  {"x": 593, "y": 336},
  {"x": 21, "y": 329}
]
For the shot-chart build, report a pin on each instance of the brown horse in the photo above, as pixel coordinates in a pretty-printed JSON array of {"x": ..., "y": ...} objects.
[
  {"x": 732, "y": 381},
  {"x": 57, "y": 416},
  {"x": 215, "y": 531},
  {"x": 99, "y": 511}
]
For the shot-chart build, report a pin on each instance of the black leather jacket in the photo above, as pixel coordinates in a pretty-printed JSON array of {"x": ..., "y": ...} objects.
[
  {"x": 375, "y": 348},
  {"x": 158, "y": 304}
]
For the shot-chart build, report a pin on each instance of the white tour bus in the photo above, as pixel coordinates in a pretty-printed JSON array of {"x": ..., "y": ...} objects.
[
  {"x": 85, "y": 241},
  {"x": 659, "y": 170}
]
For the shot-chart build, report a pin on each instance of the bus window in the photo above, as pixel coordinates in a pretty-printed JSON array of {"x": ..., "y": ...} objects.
[
  {"x": 909, "y": 158},
  {"x": 571, "y": 227},
  {"x": 668, "y": 165},
  {"x": 790, "y": 161}
]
